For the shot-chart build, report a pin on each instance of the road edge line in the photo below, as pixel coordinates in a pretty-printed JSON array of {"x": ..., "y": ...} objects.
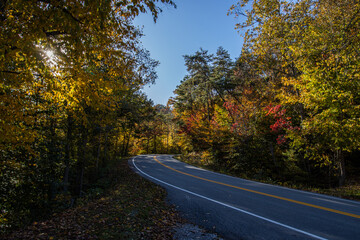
[
  {"x": 229, "y": 206},
  {"x": 324, "y": 197},
  {"x": 261, "y": 193}
]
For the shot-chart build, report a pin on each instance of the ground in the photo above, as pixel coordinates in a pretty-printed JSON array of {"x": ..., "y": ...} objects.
[{"x": 132, "y": 208}]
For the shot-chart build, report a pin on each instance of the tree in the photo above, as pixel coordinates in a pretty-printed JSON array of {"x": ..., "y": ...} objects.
[
  {"x": 307, "y": 51},
  {"x": 66, "y": 69},
  {"x": 59, "y": 41},
  {"x": 327, "y": 57}
]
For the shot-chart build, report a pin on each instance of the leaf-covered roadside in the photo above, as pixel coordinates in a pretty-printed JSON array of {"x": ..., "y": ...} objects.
[{"x": 133, "y": 209}]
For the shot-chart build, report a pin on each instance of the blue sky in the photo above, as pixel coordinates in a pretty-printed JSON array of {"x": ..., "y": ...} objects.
[{"x": 194, "y": 24}]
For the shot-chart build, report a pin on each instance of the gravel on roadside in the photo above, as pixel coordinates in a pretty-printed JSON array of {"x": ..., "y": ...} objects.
[{"x": 187, "y": 231}]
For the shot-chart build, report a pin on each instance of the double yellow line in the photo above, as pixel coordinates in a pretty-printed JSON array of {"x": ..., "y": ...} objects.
[{"x": 261, "y": 193}]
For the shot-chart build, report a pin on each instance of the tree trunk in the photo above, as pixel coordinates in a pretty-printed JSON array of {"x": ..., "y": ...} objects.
[
  {"x": 116, "y": 147},
  {"x": 81, "y": 160},
  {"x": 98, "y": 154},
  {"x": 154, "y": 144},
  {"x": 123, "y": 143},
  {"x": 106, "y": 144},
  {"x": 67, "y": 152},
  {"x": 127, "y": 145},
  {"x": 80, "y": 179},
  {"x": 167, "y": 142},
  {"x": 147, "y": 145},
  {"x": 52, "y": 158},
  {"x": 273, "y": 154},
  {"x": 341, "y": 160}
]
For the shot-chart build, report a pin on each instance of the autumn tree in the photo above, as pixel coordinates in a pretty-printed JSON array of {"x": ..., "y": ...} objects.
[
  {"x": 67, "y": 68},
  {"x": 327, "y": 57},
  {"x": 309, "y": 49}
]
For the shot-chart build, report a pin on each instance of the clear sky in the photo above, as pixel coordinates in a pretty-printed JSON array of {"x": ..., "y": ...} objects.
[{"x": 194, "y": 24}]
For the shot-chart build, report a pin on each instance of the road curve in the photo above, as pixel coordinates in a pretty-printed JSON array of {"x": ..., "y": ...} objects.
[{"x": 242, "y": 209}]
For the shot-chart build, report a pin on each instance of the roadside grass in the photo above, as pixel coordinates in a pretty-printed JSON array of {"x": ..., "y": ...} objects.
[
  {"x": 131, "y": 207},
  {"x": 349, "y": 191}
]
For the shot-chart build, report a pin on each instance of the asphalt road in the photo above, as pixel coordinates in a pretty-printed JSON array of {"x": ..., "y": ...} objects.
[{"x": 241, "y": 209}]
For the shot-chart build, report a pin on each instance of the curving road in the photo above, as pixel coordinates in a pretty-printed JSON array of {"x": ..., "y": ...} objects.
[{"x": 241, "y": 209}]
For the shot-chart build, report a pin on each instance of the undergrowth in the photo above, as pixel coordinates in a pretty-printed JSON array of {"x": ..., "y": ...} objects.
[{"x": 121, "y": 206}]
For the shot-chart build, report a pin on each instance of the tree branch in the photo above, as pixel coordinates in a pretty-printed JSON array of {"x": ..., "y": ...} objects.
[
  {"x": 54, "y": 33},
  {"x": 63, "y": 9},
  {"x": 11, "y": 72}
]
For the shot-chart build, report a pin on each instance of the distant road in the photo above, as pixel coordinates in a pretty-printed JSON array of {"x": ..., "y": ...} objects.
[{"x": 241, "y": 209}]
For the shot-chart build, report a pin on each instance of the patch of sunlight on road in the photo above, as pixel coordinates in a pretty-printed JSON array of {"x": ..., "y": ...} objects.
[{"x": 192, "y": 167}]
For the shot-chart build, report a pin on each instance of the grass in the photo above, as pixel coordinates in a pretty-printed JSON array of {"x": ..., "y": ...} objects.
[
  {"x": 350, "y": 191},
  {"x": 133, "y": 208}
]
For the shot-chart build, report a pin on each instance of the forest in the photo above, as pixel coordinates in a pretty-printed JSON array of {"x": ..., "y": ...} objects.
[
  {"x": 71, "y": 74},
  {"x": 287, "y": 110}
]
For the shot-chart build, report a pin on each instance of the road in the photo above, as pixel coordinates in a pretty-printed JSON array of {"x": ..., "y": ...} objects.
[{"x": 242, "y": 209}]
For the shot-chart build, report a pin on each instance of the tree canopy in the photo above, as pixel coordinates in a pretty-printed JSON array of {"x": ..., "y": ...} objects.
[
  {"x": 71, "y": 72},
  {"x": 289, "y": 105}
]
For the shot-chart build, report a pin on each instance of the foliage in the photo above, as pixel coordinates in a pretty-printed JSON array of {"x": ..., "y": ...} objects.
[
  {"x": 288, "y": 107},
  {"x": 71, "y": 74},
  {"x": 157, "y": 134},
  {"x": 130, "y": 207}
]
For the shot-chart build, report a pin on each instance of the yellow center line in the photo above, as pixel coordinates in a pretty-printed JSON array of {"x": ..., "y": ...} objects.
[{"x": 261, "y": 193}]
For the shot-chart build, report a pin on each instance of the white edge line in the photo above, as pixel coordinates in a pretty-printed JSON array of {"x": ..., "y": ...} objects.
[
  {"x": 323, "y": 197},
  {"x": 229, "y": 206}
]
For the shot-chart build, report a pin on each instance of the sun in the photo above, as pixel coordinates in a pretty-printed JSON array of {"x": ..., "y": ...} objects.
[
  {"x": 50, "y": 57},
  {"x": 50, "y": 54}
]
